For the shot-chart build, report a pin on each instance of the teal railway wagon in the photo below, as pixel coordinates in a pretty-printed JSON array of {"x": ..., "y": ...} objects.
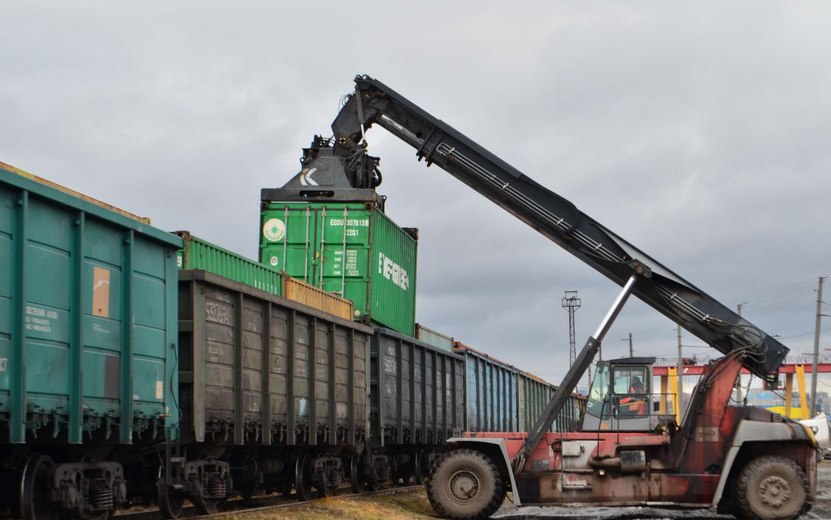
[{"x": 88, "y": 332}]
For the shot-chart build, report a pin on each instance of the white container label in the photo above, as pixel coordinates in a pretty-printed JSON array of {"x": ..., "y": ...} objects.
[{"x": 274, "y": 230}]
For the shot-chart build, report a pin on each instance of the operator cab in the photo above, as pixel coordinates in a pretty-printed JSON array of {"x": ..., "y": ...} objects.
[{"x": 621, "y": 398}]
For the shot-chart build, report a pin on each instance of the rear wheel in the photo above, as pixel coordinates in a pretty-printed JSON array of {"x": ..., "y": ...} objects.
[
  {"x": 772, "y": 488},
  {"x": 465, "y": 484}
]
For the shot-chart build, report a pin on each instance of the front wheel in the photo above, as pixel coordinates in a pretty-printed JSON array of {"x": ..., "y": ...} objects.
[
  {"x": 772, "y": 488},
  {"x": 465, "y": 484}
]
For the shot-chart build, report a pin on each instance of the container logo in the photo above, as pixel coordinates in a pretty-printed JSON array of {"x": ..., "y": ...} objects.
[
  {"x": 393, "y": 272},
  {"x": 274, "y": 230}
]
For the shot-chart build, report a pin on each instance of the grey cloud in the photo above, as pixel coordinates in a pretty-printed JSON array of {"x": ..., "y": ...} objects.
[{"x": 697, "y": 132}]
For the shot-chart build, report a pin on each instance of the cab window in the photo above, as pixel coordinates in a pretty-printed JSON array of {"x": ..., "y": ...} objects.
[
  {"x": 597, "y": 394},
  {"x": 630, "y": 380}
]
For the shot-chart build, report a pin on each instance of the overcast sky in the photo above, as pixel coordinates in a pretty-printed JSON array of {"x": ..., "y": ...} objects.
[{"x": 699, "y": 131}]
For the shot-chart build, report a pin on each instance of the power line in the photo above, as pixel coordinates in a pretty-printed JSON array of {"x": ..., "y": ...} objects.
[
  {"x": 810, "y": 333},
  {"x": 786, "y": 291}
]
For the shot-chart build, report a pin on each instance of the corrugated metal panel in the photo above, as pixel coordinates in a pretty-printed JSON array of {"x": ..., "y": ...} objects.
[
  {"x": 536, "y": 394},
  {"x": 201, "y": 254},
  {"x": 492, "y": 396},
  {"x": 417, "y": 391},
  {"x": 318, "y": 298},
  {"x": 434, "y": 338},
  {"x": 500, "y": 397},
  {"x": 536, "y": 397},
  {"x": 249, "y": 358},
  {"x": 351, "y": 249},
  {"x": 393, "y": 283},
  {"x": 86, "y": 290}
]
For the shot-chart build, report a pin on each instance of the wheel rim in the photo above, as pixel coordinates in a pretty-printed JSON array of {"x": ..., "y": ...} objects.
[
  {"x": 774, "y": 491},
  {"x": 34, "y": 504},
  {"x": 464, "y": 485}
]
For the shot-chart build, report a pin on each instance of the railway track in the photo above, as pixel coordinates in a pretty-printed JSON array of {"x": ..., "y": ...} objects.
[{"x": 261, "y": 503}]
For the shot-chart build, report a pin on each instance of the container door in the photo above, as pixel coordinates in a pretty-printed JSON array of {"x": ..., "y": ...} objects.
[
  {"x": 287, "y": 240},
  {"x": 344, "y": 242}
]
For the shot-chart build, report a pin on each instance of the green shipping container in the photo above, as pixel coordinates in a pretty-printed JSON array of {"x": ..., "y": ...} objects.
[
  {"x": 88, "y": 319},
  {"x": 351, "y": 249}
]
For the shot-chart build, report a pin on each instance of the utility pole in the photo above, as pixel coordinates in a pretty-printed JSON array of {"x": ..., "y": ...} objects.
[
  {"x": 816, "y": 348},
  {"x": 572, "y": 303},
  {"x": 680, "y": 374},
  {"x": 739, "y": 378},
  {"x": 739, "y": 308},
  {"x": 631, "y": 351}
]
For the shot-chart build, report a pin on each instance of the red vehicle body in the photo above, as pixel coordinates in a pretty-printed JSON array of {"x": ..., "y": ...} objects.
[{"x": 698, "y": 464}]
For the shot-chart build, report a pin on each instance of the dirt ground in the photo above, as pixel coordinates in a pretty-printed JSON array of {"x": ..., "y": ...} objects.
[
  {"x": 820, "y": 511},
  {"x": 415, "y": 505},
  {"x": 822, "y": 506}
]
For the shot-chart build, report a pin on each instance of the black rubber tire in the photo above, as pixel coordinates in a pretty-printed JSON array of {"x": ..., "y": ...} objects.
[
  {"x": 772, "y": 488},
  {"x": 464, "y": 485}
]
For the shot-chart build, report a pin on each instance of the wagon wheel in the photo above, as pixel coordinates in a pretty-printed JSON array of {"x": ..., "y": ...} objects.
[
  {"x": 171, "y": 500},
  {"x": 420, "y": 467},
  {"x": 303, "y": 479},
  {"x": 34, "y": 500},
  {"x": 357, "y": 475},
  {"x": 205, "y": 506}
]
